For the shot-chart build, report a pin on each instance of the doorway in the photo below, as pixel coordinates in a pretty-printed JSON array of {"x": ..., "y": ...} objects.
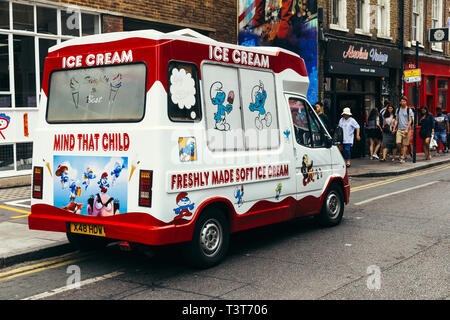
[{"x": 356, "y": 105}]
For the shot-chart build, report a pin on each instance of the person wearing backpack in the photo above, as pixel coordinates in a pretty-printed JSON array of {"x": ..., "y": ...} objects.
[{"x": 404, "y": 117}]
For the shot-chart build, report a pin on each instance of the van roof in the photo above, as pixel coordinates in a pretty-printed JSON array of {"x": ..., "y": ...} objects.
[{"x": 183, "y": 34}]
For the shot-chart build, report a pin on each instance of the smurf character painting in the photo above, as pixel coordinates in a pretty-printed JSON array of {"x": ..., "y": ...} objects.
[
  {"x": 88, "y": 175},
  {"x": 103, "y": 183},
  {"x": 62, "y": 172},
  {"x": 75, "y": 190},
  {"x": 188, "y": 149},
  {"x": 259, "y": 96},
  {"x": 278, "y": 191},
  {"x": 116, "y": 172},
  {"x": 239, "y": 195},
  {"x": 218, "y": 96},
  {"x": 184, "y": 206}
]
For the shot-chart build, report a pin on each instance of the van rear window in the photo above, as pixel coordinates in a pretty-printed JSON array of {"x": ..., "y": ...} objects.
[{"x": 114, "y": 93}]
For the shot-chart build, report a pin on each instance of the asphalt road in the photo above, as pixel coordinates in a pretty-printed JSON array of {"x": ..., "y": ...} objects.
[{"x": 393, "y": 243}]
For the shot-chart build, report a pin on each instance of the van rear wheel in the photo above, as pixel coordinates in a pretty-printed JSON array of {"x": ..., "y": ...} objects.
[
  {"x": 210, "y": 240},
  {"x": 332, "y": 208}
]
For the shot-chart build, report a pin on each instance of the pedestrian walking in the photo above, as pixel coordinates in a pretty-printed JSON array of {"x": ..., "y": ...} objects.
[
  {"x": 426, "y": 122},
  {"x": 388, "y": 133},
  {"x": 404, "y": 118},
  {"x": 348, "y": 125},
  {"x": 441, "y": 127},
  {"x": 323, "y": 117},
  {"x": 374, "y": 132}
]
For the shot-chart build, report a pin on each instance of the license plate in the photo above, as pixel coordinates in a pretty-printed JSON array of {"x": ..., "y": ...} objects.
[{"x": 90, "y": 229}]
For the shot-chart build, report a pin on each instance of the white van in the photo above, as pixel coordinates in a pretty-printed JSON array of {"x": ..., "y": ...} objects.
[{"x": 158, "y": 138}]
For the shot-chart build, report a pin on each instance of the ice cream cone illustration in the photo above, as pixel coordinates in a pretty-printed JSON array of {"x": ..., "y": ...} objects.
[
  {"x": 47, "y": 164},
  {"x": 115, "y": 85},
  {"x": 133, "y": 167},
  {"x": 75, "y": 86}
]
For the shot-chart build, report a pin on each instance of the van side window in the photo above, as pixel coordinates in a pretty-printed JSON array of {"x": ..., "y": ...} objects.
[
  {"x": 222, "y": 107},
  {"x": 300, "y": 121},
  {"x": 317, "y": 131},
  {"x": 259, "y": 109},
  {"x": 183, "y": 93}
]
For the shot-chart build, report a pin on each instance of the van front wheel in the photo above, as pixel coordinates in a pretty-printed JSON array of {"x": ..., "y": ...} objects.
[
  {"x": 332, "y": 208},
  {"x": 210, "y": 240}
]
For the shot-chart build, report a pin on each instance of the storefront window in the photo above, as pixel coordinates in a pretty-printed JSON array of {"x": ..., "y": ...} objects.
[
  {"x": 6, "y": 157},
  {"x": 46, "y": 20},
  {"x": 4, "y": 15},
  {"x": 341, "y": 84},
  {"x": 429, "y": 84},
  {"x": 44, "y": 44},
  {"x": 24, "y": 72},
  {"x": 23, "y": 17},
  {"x": 442, "y": 100},
  {"x": 370, "y": 86},
  {"x": 24, "y": 152},
  {"x": 355, "y": 85},
  {"x": 5, "y": 101},
  {"x": 70, "y": 23},
  {"x": 90, "y": 24},
  {"x": 442, "y": 84},
  {"x": 4, "y": 63}
]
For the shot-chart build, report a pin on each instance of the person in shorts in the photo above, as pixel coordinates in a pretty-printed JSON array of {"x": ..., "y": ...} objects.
[
  {"x": 404, "y": 117},
  {"x": 348, "y": 125},
  {"x": 441, "y": 127}
]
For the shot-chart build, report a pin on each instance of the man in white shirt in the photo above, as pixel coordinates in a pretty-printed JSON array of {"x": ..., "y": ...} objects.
[{"x": 348, "y": 125}]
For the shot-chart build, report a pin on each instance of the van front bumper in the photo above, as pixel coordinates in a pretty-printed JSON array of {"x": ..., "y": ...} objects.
[{"x": 136, "y": 227}]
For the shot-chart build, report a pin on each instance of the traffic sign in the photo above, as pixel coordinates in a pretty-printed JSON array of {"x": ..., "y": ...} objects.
[
  {"x": 412, "y": 76},
  {"x": 439, "y": 34}
]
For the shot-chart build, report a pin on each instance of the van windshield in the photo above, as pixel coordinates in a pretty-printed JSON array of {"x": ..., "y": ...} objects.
[{"x": 114, "y": 93}]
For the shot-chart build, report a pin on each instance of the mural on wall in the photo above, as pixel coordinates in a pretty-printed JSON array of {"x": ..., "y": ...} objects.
[{"x": 289, "y": 24}]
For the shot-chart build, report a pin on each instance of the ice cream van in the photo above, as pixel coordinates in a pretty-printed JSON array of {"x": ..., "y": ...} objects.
[{"x": 159, "y": 138}]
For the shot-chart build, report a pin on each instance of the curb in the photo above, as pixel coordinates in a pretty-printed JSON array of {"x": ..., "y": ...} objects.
[
  {"x": 37, "y": 254},
  {"x": 397, "y": 173}
]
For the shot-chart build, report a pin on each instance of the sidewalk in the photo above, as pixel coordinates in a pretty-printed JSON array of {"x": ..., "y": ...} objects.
[
  {"x": 364, "y": 167},
  {"x": 19, "y": 244}
]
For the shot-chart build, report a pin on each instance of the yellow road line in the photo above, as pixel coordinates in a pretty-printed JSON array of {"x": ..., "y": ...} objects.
[
  {"x": 14, "y": 209},
  {"x": 403, "y": 177},
  {"x": 30, "y": 269},
  {"x": 17, "y": 217}
]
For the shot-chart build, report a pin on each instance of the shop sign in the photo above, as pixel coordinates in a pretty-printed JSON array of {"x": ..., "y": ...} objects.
[{"x": 342, "y": 51}]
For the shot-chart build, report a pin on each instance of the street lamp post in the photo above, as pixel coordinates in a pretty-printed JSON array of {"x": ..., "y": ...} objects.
[{"x": 416, "y": 106}]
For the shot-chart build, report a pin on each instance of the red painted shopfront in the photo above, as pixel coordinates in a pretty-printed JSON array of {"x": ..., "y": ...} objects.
[{"x": 434, "y": 88}]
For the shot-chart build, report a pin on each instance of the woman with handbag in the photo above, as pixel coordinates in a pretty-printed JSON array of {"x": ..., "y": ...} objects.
[
  {"x": 426, "y": 122},
  {"x": 388, "y": 133}
]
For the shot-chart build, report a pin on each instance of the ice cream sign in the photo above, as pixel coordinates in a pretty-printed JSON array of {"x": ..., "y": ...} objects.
[{"x": 98, "y": 59}]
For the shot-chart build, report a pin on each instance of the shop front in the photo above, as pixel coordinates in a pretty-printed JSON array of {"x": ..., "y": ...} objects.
[{"x": 361, "y": 77}]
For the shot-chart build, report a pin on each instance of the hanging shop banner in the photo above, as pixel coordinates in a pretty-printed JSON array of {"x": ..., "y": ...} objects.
[
  {"x": 289, "y": 24},
  {"x": 351, "y": 52}
]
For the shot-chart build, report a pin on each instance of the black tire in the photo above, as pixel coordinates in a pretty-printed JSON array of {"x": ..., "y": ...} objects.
[
  {"x": 210, "y": 240},
  {"x": 85, "y": 242},
  {"x": 332, "y": 208}
]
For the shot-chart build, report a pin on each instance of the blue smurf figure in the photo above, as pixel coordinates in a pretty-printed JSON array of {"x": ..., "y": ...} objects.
[
  {"x": 188, "y": 152},
  {"x": 74, "y": 190},
  {"x": 259, "y": 96},
  {"x": 218, "y": 96},
  {"x": 103, "y": 183},
  {"x": 88, "y": 175},
  {"x": 116, "y": 172},
  {"x": 239, "y": 195}
]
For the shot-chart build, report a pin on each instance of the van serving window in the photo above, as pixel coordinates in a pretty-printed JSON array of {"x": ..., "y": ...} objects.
[
  {"x": 114, "y": 93},
  {"x": 183, "y": 94}
]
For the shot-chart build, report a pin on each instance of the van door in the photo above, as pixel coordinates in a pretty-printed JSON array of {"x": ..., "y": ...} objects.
[{"x": 313, "y": 158}]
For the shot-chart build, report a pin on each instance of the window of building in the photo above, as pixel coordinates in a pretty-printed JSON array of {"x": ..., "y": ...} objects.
[
  {"x": 23, "y": 17},
  {"x": 4, "y": 15},
  {"x": 6, "y": 157},
  {"x": 24, "y": 153},
  {"x": 436, "y": 21},
  {"x": 362, "y": 16},
  {"x": 384, "y": 15},
  {"x": 417, "y": 21},
  {"x": 183, "y": 98},
  {"x": 339, "y": 14},
  {"x": 46, "y": 20}
]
